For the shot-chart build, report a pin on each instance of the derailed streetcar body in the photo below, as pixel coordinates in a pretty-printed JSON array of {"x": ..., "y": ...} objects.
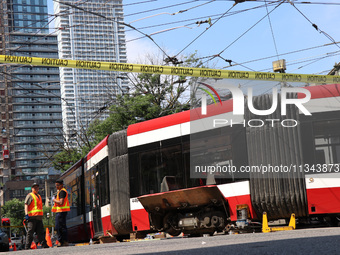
[{"x": 138, "y": 180}]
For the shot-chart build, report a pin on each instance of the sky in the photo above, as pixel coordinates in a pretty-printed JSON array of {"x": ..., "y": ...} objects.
[{"x": 242, "y": 33}]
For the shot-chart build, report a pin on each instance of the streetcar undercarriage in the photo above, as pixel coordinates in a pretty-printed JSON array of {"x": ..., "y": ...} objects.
[{"x": 201, "y": 210}]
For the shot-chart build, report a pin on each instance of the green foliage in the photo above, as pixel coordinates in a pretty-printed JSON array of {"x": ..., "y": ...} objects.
[
  {"x": 48, "y": 221},
  {"x": 65, "y": 159},
  {"x": 15, "y": 211},
  {"x": 129, "y": 109}
]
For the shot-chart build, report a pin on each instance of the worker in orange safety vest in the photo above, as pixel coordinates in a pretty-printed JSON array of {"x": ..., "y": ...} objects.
[
  {"x": 33, "y": 217},
  {"x": 61, "y": 207}
]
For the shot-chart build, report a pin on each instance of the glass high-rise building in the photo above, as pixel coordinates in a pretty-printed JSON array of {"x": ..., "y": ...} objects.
[
  {"x": 89, "y": 30},
  {"x": 31, "y": 120}
]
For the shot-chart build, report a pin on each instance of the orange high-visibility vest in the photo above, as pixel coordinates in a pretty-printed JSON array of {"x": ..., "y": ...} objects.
[
  {"x": 35, "y": 208},
  {"x": 65, "y": 207}
]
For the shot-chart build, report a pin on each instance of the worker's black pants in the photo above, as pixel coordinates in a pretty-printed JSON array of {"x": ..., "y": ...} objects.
[
  {"x": 60, "y": 225},
  {"x": 36, "y": 226}
]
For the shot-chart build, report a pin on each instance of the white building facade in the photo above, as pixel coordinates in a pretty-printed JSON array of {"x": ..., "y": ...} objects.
[{"x": 91, "y": 31}]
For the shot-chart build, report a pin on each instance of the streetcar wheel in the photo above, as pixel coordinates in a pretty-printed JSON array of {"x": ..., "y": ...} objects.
[
  {"x": 168, "y": 222},
  {"x": 173, "y": 232}
]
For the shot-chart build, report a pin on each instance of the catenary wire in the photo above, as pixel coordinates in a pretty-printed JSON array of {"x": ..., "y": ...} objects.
[
  {"x": 249, "y": 29},
  {"x": 205, "y": 30},
  {"x": 271, "y": 29},
  {"x": 314, "y": 25}
]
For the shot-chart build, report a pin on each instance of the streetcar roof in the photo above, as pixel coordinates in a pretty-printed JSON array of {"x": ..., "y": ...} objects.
[{"x": 321, "y": 91}]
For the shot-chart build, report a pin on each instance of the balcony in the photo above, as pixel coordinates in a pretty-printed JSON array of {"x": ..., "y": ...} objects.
[
  {"x": 38, "y": 118},
  {"x": 52, "y": 71},
  {"x": 44, "y": 110}
]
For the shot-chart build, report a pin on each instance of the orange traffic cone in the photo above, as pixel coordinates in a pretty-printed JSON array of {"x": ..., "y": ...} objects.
[
  {"x": 48, "y": 238},
  {"x": 14, "y": 247},
  {"x": 56, "y": 242},
  {"x": 10, "y": 244},
  {"x": 33, "y": 245}
]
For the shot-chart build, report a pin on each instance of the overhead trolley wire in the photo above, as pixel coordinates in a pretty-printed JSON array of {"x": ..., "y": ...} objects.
[
  {"x": 135, "y": 29},
  {"x": 266, "y": 1},
  {"x": 271, "y": 29},
  {"x": 313, "y": 24},
  {"x": 283, "y": 54},
  {"x": 143, "y": 2},
  {"x": 169, "y": 23},
  {"x": 314, "y": 60},
  {"x": 277, "y": 55},
  {"x": 230, "y": 61},
  {"x": 311, "y": 61},
  {"x": 249, "y": 29},
  {"x": 206, "y": 30},
  {"x": 203, "y": 17},
  {"x": 174, "y": 13},
  {"x": 167, "y": 30},
  {"x": 303, "y": 2},
  {"x": 160, "y": 8},
  {"x": 307, "y": 2}
]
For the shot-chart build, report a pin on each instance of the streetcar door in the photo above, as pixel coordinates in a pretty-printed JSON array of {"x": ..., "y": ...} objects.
[{"x": 96, "y": 206}]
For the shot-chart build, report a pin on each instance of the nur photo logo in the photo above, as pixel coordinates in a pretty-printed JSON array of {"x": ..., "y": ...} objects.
[
  {"x": 239, "y": 98},
  {"x": 204, "y": 98}
]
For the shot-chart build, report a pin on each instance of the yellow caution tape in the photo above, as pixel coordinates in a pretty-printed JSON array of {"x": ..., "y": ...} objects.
[{"x": 170, "y": 70}]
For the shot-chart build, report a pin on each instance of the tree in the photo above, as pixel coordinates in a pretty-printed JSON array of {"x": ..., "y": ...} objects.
[
  {"x": 66, "y": 158},
  {"x": 15, "y": 211},
  {"x": 150, "y": 96},
  {"x": 129, "y": 109}
]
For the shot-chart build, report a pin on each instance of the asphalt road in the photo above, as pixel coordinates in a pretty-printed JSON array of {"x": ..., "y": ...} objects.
[{"x": 307, "y": 241}]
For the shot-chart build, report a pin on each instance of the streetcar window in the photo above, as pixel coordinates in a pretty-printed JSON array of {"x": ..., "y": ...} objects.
[
  {"x": 93, "y": 193},
  {"x": 104, "y": 182},
  {"x": 327, "y": 150},
  {"x": 73, "y": 187},
  {"x": 97, "y": 185},
  {"x": 327, "y": 142},
  {"x": 173, "y": 158},
  {"x": 156, "y": 164},
  {"x": 135, "y": 185},
  {"x": 87, "y": 191},
  {"x": 212, "y": 148}
]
